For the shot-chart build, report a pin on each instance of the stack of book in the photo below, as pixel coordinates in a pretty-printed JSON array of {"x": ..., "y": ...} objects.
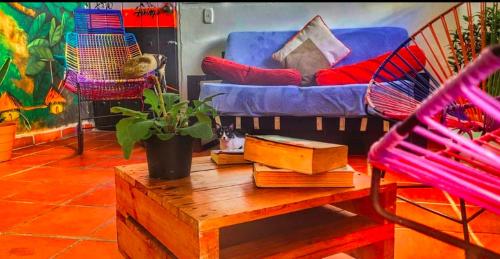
[{"x": 289, "y": 162}]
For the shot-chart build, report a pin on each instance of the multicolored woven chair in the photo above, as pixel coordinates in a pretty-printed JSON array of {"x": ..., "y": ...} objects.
[
  {"x": 95, "y": 55},
  {"x": 463, "y": 167}
]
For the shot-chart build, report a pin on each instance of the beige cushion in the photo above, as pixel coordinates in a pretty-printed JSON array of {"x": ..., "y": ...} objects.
[{"x": 312, "y": 48}]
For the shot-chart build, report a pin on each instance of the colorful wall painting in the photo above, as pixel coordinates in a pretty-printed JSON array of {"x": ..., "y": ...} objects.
[{"x": 32, "y": 36}]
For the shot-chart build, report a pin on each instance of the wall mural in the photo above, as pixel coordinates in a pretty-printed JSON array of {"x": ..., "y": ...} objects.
[{"x": 32, "y": 52}]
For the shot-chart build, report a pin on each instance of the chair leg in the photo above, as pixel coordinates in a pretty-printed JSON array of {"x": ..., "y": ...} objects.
[
  {"x": 465, "y": 227},
  {"x": 472, "y": 250},
  {"x": 79, "y": 129}
]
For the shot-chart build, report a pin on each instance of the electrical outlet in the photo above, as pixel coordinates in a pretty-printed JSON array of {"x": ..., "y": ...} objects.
[{"x": 208, "y": 15}]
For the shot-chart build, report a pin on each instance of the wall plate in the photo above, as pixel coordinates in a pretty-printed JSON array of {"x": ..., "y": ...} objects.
[{"x": 208, "y": 15}]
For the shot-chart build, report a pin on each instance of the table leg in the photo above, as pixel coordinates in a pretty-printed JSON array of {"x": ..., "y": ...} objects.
[
  {"x": 209, "y": 244},
  {"x": 363, "y": 206}
]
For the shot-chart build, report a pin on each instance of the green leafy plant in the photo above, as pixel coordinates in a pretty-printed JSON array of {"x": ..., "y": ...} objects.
[
  {"x": 492, "y": 36},
  {"x": 170, "y": 117}
]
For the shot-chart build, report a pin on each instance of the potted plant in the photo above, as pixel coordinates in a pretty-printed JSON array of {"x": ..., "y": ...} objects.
[
  {"x": 167, "y": 132},
  {"x": 8, "y": 127},
  {"x": 7, "y": 136}
]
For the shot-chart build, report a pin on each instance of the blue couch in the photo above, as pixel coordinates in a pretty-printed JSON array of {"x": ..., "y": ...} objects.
[{"x": 342, "y": 106}]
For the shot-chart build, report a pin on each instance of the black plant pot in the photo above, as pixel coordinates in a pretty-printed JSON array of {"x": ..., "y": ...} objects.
[{"x": 169, "y": 159}]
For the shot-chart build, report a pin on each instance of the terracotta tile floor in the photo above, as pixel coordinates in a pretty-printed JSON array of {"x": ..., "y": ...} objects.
[{"x": 54, "y": 204}]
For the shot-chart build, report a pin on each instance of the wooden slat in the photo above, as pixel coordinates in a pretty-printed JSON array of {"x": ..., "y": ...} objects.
[
  {"x": 364, "y": 124},
  {"x": 256, "y": 123},
  {"x": 342, "y": 124},
  {"x": 238, "y": 122},
  {"x": 319, "y": 123},
  {"x": 277, "y": 123},
  {"x": 164, "y": 224},
  {"x": 136, "y": 242},
  {"x": 386, "y": 126}
]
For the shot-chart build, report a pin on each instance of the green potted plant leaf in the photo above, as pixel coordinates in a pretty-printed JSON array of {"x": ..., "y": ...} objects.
[{"x": 167, "y": 133}]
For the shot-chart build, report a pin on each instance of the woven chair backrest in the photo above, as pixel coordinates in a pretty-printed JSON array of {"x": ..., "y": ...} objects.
[
  {"x": 96, "y": 21},
  {"x": 100, "y": 56}
]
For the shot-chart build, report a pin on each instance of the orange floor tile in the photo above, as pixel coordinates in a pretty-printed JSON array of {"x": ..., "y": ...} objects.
[{"x": 55, "y": 204}]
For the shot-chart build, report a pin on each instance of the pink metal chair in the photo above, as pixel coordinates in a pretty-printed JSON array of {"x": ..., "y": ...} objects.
[
  {"x": 450, "y": 41},
  {"x": 466, "y": 168}
]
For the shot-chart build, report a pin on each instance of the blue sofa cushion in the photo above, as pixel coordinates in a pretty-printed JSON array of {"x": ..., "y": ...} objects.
[
  {"x": 289, "y": 100},
  {"x": 256, "y": 48},
  {"x": 258, "y": 101}
]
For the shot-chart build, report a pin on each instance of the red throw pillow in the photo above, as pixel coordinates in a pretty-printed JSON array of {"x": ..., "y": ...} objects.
[
  {"x": 236, "y": 73},
  {"x": 362, "y": 72}
]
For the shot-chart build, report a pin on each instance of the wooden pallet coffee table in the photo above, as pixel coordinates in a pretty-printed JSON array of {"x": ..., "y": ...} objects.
[{"x": 218, "y": 212}]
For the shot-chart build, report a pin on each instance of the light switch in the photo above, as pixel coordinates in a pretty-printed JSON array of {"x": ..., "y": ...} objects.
[{"x": 208, "y": 15}]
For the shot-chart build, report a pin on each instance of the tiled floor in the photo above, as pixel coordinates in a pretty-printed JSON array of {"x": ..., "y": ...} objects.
[{"x": 54, "y": 204}]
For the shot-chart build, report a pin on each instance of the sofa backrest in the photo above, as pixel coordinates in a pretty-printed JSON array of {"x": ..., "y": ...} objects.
[{"x": 256, "y": 48}]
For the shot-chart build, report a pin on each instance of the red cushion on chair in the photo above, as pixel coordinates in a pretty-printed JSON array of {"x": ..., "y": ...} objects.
[
  {"x": 362, "y": 72},
  {"x": 236, "y": 73}
]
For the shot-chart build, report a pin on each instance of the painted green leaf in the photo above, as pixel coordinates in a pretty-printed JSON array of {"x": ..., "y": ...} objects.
[
  {"x": 4, "y": 69},
  {"x": 34, "y": 66},
  {"x": 36, "y": 26},
  {"x": 38, "y": 42},
  {"x": 65, "y": 18},
  {"x": 52, "y": 28},
  {"x": 41, "y": 52},
  {"x": 44, "y": 31},
  {"x": 56, "y": 36},
  {"x": 58, "y": 70},
  {"x": 69, "y": 22},
  {"x": 43, "y": 84}
]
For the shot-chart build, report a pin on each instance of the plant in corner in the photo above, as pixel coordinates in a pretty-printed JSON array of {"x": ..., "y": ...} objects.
[
  {"x": 8, "y": 127},
  {"x": 475, "y": 34},
  {"x": 167, "y": 132}
]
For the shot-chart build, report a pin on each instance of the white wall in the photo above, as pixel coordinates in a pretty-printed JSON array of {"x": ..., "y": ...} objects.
[{"x": 197, "y": 39}]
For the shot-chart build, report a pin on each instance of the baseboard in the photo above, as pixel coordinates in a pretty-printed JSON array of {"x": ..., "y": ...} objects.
[{"x": 44, "y": 136}]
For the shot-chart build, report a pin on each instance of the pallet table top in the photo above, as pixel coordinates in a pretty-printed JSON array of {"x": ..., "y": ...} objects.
[{"x": 217, "y": 196}]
